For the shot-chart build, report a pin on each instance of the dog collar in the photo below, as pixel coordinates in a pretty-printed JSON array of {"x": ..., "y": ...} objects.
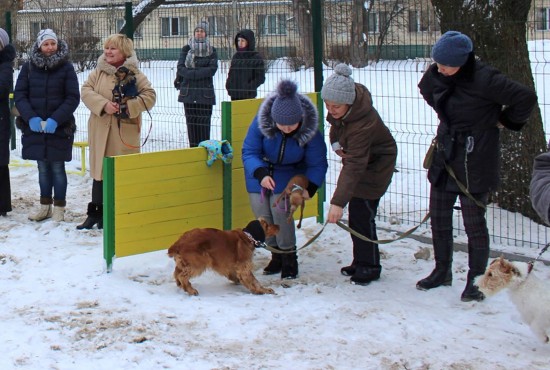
[
  {"x": 256, "y": 243},
  {"x": 296, "y": 188}
]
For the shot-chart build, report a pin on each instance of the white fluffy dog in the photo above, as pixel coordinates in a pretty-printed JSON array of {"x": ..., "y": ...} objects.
[{"x": 530, "y": 294}]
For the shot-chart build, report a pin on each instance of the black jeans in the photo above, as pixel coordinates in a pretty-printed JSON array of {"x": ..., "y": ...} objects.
[
  {"x": 198, "y": 118},
  {"x": 362, "y": 214}
]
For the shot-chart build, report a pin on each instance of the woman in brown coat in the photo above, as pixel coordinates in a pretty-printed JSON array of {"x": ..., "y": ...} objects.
[
  {"x": 368, "y": 151},
  {"x": 116, "y": 93}
]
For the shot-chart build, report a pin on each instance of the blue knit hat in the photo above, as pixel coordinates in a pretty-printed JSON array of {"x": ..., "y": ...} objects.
[
  {"x": 452, "y": 49},
  {"x": 287, "y": 107}
]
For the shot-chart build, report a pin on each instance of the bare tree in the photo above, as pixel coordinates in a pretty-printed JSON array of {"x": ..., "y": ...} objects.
[{"x": 497, "y": 27}]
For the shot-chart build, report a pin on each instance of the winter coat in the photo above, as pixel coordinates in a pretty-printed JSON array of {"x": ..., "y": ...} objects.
[
  {"x": 197, "y": 84},
  {"x": 106, "y": 137},
  {"x": 301, "y": 152},
  {"x": 247, "y": 70},
  {"x": 7, "y": 56},
  {"x": 469, "y": 106},
  {"x": 47, "y": 87},
  {"x": 540, "y": 186},
  {"x": 370, "y": 150}
]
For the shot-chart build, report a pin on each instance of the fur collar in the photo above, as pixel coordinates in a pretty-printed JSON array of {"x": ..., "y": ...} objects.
[
  {"x": 305, "y": 132},
  {"x": 52, "y": 62},
  {"x": 131, "y": 63}
]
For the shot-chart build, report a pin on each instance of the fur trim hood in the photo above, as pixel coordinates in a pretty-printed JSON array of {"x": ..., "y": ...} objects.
[
  {"x": 305, "y": 132},
  {"x": 131, "y": 63},
  {"x": 52, "y": 62}
]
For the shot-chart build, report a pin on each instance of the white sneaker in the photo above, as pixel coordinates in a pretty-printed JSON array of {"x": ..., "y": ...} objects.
[
  {"x": 58, "y": 214},
  {"x": 43, "y": 213}
]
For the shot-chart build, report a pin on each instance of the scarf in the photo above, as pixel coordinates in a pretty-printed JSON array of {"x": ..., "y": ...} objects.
[{"x": 199, "y": 48}]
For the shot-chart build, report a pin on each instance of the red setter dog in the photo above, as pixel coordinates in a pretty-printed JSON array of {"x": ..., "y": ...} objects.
[
  {"x": 229, "y": 253},
  {"x": 294, "y": 191}
]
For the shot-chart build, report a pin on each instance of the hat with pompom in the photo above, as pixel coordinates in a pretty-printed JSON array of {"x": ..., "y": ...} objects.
[
  {"x": 202, "y": 25},
  {"x": 4, "y": 38},
  {"x": 339, "y": 87},
  {"x": 452, "y": 49},
  {"x": 287, "y": 107}
]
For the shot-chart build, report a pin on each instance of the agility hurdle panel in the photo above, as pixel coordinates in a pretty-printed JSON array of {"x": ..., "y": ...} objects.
[{"x": 152, "y": 198}]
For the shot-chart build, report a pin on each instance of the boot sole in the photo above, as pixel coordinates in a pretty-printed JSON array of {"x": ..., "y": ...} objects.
[{"x": 420, "y": 287}]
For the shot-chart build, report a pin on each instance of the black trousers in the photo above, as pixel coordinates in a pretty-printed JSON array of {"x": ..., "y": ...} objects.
[
  {"x": 362, "y": 214},
  {"x": 5, "y": 189},
  {"x": 197, "y": 117}
]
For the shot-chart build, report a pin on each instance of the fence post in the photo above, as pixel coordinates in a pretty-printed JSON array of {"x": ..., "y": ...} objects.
[
  {"x": 129, "y": 19},
  {"x": 317, "y": 24},
  {"x": 12, "y": 118}
]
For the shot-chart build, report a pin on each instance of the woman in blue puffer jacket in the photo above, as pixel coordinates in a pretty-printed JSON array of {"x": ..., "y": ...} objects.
[
  {"x": 283, "y": 141},
  {"x": 46, "y": 95}
]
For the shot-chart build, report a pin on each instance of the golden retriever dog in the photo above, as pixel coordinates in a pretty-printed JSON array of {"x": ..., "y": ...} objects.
[
  {"x": 229, "y": 253},
  {"x": 294, "y": 191}
]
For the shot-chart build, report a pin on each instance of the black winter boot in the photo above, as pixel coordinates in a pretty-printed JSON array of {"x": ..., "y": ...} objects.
[
  {"x": 365, "y": 274},
  {"x": 274, "y": 266},
  {"x": 471, "y": 292},
  {"x": 348, "y": 270},
  {"x": 95, "y": 216},
  {"x": 289, "y": 268},
  {"x": 443, "y": 273}
]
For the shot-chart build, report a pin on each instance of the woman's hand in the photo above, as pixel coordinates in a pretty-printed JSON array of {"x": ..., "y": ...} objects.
[
  {"x": 268, "y": 183},
  {"x": 335, "y": 213},
  {"x": 111, "y": 107}
]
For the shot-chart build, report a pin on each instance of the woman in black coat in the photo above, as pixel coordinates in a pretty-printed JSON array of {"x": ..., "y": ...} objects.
[
  {"x": 472, "y": 101},
  {"x": 197, "y": 65},
  {"x": 7, "y": 56},
  {"x": 247, "y": 69},
  {"x": 46, "y": 95}
]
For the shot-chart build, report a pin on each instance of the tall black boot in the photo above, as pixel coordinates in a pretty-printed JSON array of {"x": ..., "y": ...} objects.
[
  {"x": 95, "y": 216},
  {"x": 477, "y": 262},
  {"x": 471, "y": 292},
  {"x": 274, "y": 266},
  {"x": 363, "y": 275},
  {"x": 443, "y": 273},
  {"x": 289, "y": 268}
]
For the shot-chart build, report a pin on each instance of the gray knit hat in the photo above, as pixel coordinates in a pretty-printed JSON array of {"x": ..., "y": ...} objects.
[
  {"x": 4, "y": 38},
  {"x": 339, "y": 87},
  {"x": 44, "y": 35},
  {"x": 287, "y": 107},
  {"x": 452, "y": 49},
  {"x": 204, "y": 25}
]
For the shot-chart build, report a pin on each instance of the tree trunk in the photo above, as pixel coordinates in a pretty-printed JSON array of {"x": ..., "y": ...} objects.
[
  {"x": 496, "y": 30},
  {"x": 358, "y": 46},
  {"x": 303, "y": 22}
]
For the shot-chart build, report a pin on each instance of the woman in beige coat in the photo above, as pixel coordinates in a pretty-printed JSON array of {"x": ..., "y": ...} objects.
[{"x": 116, "y": 93}]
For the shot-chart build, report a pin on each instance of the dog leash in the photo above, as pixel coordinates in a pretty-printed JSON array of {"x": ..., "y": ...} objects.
[{"x": 531, "y": 264}]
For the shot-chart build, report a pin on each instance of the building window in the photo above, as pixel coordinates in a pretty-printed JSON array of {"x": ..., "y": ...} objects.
[
  {"x": 137, "y": 33},
  {"x": 272, "y": 24},
  {"x": 423, "y": 21},
  {"x": 36, "y": 27},
  {"x": 376, "y": 21},
  {"x": 174, "y": 26},
  {"x": 542, "y": 19},
  {"x": 217, "y": 26}
]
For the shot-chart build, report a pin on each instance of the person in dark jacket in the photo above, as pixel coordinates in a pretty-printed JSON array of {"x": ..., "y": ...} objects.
[
  {"x": 472, "y": 100},
  {"x": 282, "y": 141},
  {"x": 7, "y": 56},
  {"x": 197, "y": 65},
  {"x": 368, "y": 151},
  {"x": 539, "y": 189},
  {"x": 247, "y": 69},
  {"x": 46, "y": 95}
]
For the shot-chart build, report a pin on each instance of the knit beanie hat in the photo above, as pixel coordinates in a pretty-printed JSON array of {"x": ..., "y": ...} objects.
[
  {"x": 452, "y": 49},
  {"x": 339, "y": 87},
  {"x": 44, "y": 35},
  {"x": 287, "y": 107},
  {"x": 203, "y": 25},
  {"x": 4, "y": 38}
]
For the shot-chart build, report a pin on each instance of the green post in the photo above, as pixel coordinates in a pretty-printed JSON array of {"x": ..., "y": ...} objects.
[
  {"x": 129, "y": 18},
  {"x": 12, "y": 118},
  {"x": 227, "y": 169},
  {"x": 317, "y": 24},
  {"x": 109, "y": 211}
]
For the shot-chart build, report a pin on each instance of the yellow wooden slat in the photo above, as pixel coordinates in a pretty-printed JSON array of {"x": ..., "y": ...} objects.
[
  {"x": 164, "y": 158},
  {"x": 160, "y": 172},
  {"x": 165, "y": 186}
]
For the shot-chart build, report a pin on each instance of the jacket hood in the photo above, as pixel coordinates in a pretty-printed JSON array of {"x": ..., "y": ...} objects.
[
  {"x": 131, "y": 63},
  {"x": 41, "y": 61},
  {"x": 248, "y": 35},
  {"x": 7, "y": 54},
  {"x": 305, "y": 132}
]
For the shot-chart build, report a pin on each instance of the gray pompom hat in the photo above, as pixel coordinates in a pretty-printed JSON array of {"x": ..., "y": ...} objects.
[
  {"x": 339, "y": 87},
  {"x": 452, "y": 49},
  {"x": 203, "y": 25},
  {"x": 4, "y": 38},
  {"x": 44, "y": 35}
]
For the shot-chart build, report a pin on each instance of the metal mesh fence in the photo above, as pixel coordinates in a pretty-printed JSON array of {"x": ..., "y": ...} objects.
[{"x": 389, "y": 57}]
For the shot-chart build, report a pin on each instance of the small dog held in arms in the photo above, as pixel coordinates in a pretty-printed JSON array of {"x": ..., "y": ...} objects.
[
  {"x": 530, "y": 295},
  {"x": 229, "y": 253},
  {"x": 295, "y": 192}
]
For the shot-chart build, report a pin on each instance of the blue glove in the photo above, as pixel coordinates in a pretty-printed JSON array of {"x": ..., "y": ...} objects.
[
  {"x": 34, "y": 124},
  {"x": 51, "y": 125}
]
